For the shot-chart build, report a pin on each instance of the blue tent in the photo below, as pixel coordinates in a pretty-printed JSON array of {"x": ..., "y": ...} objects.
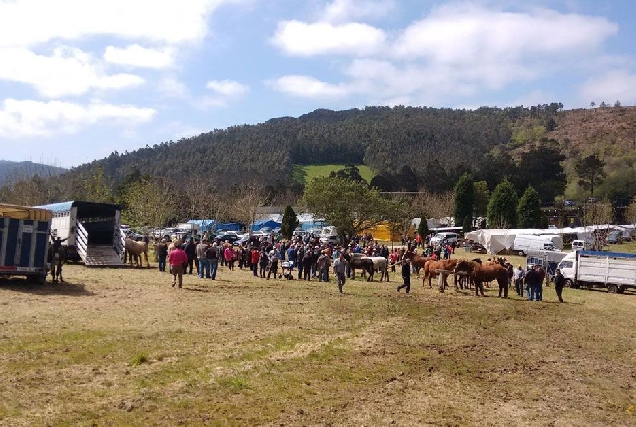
[{"x": 264, "y": 223}]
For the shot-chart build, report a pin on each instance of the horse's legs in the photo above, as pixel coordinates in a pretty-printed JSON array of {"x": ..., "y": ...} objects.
[{"x": 59, "y": 272}]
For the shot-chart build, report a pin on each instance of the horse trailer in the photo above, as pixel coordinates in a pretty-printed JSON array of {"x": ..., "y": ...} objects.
[
  {"x": 90, "y": 231},
  {"x": 24, "y": 241}
]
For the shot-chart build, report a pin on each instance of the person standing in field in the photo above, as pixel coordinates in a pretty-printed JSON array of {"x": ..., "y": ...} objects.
[
  {"x": 191, "y": 252},
  {"x": 204, "y": 263},
  {"x": 532, "y": 279},
  {"x": 406, "y": 276},
  {"x": 161, "y": 249},
  {"x": 559, "y": 282},
  {"x": 517, "y": 276},
  {"x": 178, "y": 260},
  {"x": 339, "y": 268},
  {"x": 255, "y": 255}
]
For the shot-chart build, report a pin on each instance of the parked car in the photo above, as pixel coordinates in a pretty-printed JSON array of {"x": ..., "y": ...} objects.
[
  {"x": 227, "y": 237},
  {"x": 449, "y": 237},
  {"x": 614, "y": 236}
]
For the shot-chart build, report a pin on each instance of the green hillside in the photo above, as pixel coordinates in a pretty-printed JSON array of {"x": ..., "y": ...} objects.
[{"x": 305, "y": 173}]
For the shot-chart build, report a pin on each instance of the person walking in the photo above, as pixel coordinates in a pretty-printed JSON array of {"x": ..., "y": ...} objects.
[
  {"x": 339, "y": 268},
  {"x": 559, "y": 282},
  {"x": 178, "y": 261},
  {"x": 406, "y": 275},
  {"x": 274, "y": 256},
  {"x": 263, "y": 261},
  {"x": 212, "y": 255}
]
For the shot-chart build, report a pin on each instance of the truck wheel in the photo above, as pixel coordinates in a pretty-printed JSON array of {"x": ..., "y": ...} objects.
[
  {"x": 612, "y": 289},
  {"x": 621, "y": 289},
  {"x": 568, "y": 283}
]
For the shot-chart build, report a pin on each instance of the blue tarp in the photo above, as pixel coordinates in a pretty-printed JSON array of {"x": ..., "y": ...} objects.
[
  {"x": 210, "y": 224},
  {"x": 265, "y": 223}
]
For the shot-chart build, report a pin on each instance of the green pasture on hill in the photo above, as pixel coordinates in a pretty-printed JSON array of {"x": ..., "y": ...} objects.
[{"x": 304, "y": 174}]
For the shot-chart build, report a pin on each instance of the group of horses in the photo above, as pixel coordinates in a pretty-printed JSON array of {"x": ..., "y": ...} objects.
[{"x": 469, "y": 273}]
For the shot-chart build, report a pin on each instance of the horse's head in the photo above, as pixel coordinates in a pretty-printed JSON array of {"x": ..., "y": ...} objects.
[
  {"x": 466, "y": 266},
  {"x": 408, "y": 255}
]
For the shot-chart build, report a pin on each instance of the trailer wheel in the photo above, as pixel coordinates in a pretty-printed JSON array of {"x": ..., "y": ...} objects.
[{"x": 612, "y": 289}]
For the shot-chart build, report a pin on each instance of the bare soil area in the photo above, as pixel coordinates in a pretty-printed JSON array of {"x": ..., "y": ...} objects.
[{"x": 122, "y": 347}]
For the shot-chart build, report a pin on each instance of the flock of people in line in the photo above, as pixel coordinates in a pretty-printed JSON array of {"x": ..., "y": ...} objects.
[{"x": 309, "y": 259}]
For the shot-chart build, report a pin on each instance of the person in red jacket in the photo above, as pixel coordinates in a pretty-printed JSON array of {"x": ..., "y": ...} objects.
[
  {"x": 177, "y": 259},
  {"x": 254, "y": 259}
]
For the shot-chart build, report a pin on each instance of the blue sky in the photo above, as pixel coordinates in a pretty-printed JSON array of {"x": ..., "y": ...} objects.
[{"x": 80, "y": 79}]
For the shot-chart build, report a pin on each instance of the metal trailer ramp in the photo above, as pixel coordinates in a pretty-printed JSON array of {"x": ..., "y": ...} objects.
[{"x": 102, "y": 256}]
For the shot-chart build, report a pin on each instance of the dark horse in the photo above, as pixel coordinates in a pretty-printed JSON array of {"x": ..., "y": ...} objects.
[
  {"x": 363, "y": 263},
  {"x": 479, "y": 274},
  {"x": 56, "y": 258},
  {"x": 417, "y": 261}
]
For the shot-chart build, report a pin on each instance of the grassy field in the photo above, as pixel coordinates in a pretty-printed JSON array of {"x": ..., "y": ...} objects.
[
  {"x": 304, "y": 174},
  {"x": 122, "y": 347}
]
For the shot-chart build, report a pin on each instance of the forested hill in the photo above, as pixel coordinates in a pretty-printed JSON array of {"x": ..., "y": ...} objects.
[
  {"x": 384, "y": 138},
  {"x": 407, "y": 148},
  {"x": 16, "y": 171}
]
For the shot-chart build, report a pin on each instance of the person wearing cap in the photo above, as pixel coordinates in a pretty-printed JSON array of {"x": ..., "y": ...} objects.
[
  {"x": 559, "y": 282},
  {"x": 161, "y": 249}
]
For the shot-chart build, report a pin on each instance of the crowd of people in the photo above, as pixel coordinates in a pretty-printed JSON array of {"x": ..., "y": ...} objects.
[{"x": 312, "y": 260}]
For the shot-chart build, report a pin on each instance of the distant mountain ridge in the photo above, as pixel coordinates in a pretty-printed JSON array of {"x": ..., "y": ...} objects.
[{"x": 15, "y": 171}]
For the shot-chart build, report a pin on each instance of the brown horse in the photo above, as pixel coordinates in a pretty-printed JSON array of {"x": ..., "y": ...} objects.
[
  {"x": 431, "y": 267},
  {"x": 417, "y": 261},
  {"x": 483, "y": 273}
]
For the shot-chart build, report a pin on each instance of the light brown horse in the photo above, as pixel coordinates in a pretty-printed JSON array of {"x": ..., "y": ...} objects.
[
  {"x": 483, "y": 273},
  {"x": 136, "y": 249},
  {"x": 431, "y": 267}
]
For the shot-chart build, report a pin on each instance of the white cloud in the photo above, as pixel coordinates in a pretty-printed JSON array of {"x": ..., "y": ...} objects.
[
  {"x": 617, "y": 85},
  {"x": 138, "y": 56},
  {"x": 458, "y": 50},
  {"x": 31, "y": 22},
  {"x": 68, "y": 71},
  {"x": 173, "y": 88},
  {"x": 469, "y": 35},
  {"x": 348, "y": 10},
  {"x": 22, "y": 118},
  {"x": 321, "y": 38},
  {"x": 309, "y": 87},
  {"x": 227, "y": 88}
]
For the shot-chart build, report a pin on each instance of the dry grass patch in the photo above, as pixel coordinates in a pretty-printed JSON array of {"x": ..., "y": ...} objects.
[{"x": 116, "y": 347}]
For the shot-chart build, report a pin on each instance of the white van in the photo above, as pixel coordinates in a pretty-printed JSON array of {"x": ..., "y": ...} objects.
[
  {"x": 450, "y": 238},
  {"x": 578, "y": 245},
  {"x": 329, "y": 235},
  {"x": 529, "y": 244}
]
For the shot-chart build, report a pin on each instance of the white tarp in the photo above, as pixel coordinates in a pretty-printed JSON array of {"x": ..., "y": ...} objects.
[{"x": 497, "y": 240}]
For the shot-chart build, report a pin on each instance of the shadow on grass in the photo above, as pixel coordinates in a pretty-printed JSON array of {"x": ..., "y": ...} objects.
[{"x": 47, "y": 288}]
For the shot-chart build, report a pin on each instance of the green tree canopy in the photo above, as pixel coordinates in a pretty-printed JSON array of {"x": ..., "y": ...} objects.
[
  {"x": 348, "y": 205},
  {"x": 590, "y": 172},
  {"x": 529, "y": 209},
  {"x": 464, "y": 201},
  {"x": 482, "y": 196},
  {"x": 502, "y": 208},
  {"x": 289, "y": 222},
  {"x": 541, "y": 168}
]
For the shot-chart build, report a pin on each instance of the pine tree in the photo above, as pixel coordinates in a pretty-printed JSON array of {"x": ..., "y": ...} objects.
[
  {"x": 529, "y": 209},
  {"x": 464, "y": 201},
  {"x": 289, "y": 223},
  {"x": 502, "y": 208}
]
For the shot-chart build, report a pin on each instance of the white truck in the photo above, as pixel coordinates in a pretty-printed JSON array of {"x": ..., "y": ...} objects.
[
  {"x": 529, "y": 244},
  {"x": 612, "y": 270}
]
